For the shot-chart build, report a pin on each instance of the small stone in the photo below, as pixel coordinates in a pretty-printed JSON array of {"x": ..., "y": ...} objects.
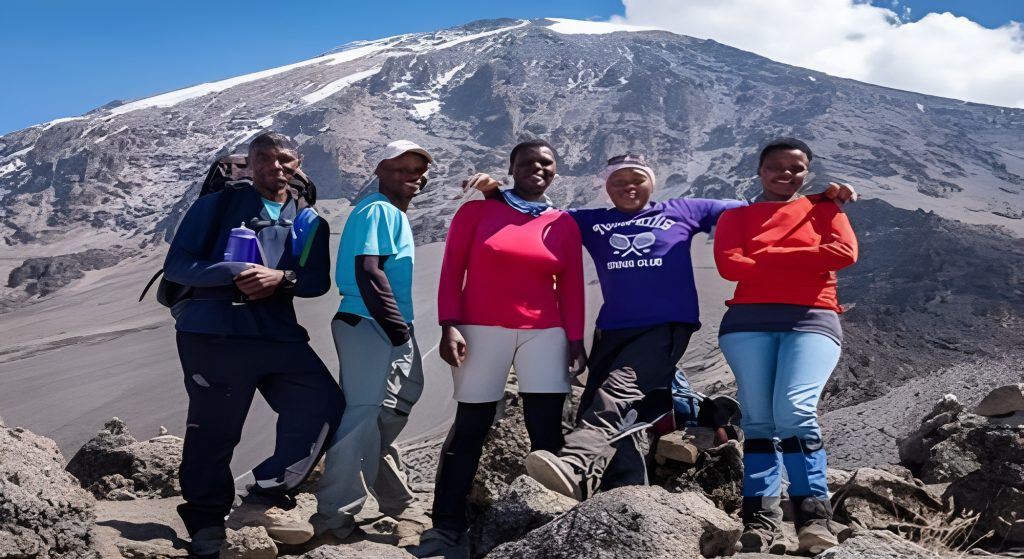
[
  {"x": 678, "y": 447},
  {"x": 251, "y": 542},
  {"x": 163, "y": 431},
  {"x": 1002, "y": 401}
]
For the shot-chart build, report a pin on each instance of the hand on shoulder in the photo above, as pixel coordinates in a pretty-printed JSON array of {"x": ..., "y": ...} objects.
[{"x": 481, "y": 181}]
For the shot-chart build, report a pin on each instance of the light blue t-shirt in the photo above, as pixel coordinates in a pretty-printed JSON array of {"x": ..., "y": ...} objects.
[
  {"x": 376, "y": 228},
  {"x": 273, "y": 208}
]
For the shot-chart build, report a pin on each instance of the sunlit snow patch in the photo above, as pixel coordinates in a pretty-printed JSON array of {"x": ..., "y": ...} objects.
[
  {"x": 11, "y": 167},
  {"x": 580, "y": 27},
  {"x": 337, "y": 85},
  {"x": 920, "y": 107},
  {"x": 174, "y": 97},
  {"x": 424, "y": 110}
]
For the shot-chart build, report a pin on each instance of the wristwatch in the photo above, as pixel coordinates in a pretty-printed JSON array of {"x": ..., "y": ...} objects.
[{"x": 289, "y": 281}]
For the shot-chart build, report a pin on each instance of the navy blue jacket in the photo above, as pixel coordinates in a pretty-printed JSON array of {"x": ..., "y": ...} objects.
[{"x": 214, "y": 307}]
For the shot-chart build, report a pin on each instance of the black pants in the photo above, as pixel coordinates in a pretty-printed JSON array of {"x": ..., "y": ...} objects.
[
  {"x": 460, "y": 455},
  {"x": 222, "y": 374},
  {"x": 652, "y": 352}
]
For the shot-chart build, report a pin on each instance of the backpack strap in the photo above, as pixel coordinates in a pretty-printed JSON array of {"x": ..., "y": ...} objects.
[{"x": 223, "y": 203}]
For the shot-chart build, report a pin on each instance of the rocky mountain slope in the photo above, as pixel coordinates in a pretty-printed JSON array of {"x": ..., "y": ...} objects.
[{"x": 117, "y": 179}]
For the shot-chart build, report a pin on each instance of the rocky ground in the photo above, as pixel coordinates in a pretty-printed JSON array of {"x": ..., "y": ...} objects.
[{"x": 959, "y": 488}]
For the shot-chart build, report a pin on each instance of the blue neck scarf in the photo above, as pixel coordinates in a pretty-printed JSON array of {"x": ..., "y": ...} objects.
[{"x": 525, "y": 206}]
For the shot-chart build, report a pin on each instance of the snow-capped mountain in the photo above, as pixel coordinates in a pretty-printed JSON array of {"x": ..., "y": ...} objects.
[{"x": 119, "y": 176}]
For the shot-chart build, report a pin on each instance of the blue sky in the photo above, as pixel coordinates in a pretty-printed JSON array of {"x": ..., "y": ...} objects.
[{"x": 65, "y": 57}]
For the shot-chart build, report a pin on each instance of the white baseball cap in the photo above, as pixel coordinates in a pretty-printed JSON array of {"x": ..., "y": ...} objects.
[{"x": 398, "y": 147}]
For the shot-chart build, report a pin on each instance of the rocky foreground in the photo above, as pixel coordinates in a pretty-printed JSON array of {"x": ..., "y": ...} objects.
[{"x": 958, "y": 491}]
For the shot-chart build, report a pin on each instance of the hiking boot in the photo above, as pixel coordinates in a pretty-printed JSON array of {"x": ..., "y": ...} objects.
[
  {"x": 282, "y": 526},
  {"x": 340, "y": 526},
  {"x": 206, "y": 543},
  {"x": 559, "y": 475},
  {"x": 757, "y": 539},
  {"x": 814, "y": 529},
  {"x": 442, "y": 543},
  {"x": 762, "y": 526}
]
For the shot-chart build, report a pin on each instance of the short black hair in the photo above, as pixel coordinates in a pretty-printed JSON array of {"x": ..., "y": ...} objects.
[
  {"x": 273, "y": 139},
  {"x": 780, "y": 144},
  {"x": 534, "y": 143}
]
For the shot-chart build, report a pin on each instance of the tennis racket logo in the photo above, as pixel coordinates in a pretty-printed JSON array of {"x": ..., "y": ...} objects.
[{"x": 639, "y": 244}]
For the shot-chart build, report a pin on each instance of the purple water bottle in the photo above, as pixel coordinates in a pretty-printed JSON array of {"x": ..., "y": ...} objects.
[{"x": 243, "y": 246}]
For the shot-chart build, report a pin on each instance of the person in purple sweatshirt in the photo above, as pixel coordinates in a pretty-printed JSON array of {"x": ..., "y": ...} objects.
[{"x": 641, "y": 250}]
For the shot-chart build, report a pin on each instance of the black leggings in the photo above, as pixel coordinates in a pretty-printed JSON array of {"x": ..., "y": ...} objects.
[{"x": 460, "y": 455}]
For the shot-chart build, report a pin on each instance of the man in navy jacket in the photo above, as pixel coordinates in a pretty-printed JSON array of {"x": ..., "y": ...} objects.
[{"x": 238, "y": 333}]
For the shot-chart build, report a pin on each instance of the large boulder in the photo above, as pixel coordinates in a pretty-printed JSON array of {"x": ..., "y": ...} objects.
[
  {"x": 635, "y": 522},
  {"x": 879, "y": 500},
  {"x": 115, "y": 466},
  {"x": 877, "y": 544},
  {"x": 44, "y": 514},
  {"x": 503, "y": 455},
  {"x": 526, "y": 505},
  {"x": 358, "y": 550},
  {"x": 717, "y": 473},
  {"x": 141, "y": 529},
  {"x": 1004, "y": 400}
]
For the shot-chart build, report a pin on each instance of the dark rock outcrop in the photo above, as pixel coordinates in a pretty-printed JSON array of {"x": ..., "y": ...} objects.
[
  {"x": 717, "y": 473},
  {"x": 44, "y": 514},
  {"x": 115, "y": 466},
  {"x": 981, "y": 458},
  {"x": 44, "y": 275},
  {"x": 636, "y": 522},
  {"x": 996, "y": 490},
  {"x": 526, "y": 505}
]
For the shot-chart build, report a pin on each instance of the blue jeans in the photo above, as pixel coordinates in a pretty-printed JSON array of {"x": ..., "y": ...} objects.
[
  {"x": 685, "y": 400},
  {"x": 780, "y": 376}
]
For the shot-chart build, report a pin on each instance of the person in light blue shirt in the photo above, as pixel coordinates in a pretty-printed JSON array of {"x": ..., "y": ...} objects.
[
  {"x": 376, "y": 227},
  {"x": 381, "y": 373}
]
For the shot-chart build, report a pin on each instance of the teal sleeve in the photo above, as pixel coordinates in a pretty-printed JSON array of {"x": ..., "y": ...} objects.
[{"x": 376, "y": 232}]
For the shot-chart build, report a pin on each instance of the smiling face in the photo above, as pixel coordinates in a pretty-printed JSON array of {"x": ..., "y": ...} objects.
[
  {"x": 782, "y": 174},
  {"x": 532, "y": 172},
  {"x": 272, "y": 167},
  {"x": 629, "y": 190},
  {"x": 400, "y": 177}
]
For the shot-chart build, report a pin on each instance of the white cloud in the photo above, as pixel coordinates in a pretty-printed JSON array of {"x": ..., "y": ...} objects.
[{"x": 940, "y": 54}]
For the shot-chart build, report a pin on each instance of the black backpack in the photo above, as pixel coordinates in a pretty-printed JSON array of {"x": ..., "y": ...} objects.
[{"x": 229, "y": 173}]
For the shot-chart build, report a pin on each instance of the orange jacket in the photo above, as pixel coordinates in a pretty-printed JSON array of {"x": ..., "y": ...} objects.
[{"x": 785, "y": 252}]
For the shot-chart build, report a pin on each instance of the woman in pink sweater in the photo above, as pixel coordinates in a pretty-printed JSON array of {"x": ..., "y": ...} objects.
[{"x": 510, "y": 295}]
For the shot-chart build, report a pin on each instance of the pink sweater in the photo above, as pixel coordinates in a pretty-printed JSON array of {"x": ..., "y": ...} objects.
[{"x": 506, "y": 268}]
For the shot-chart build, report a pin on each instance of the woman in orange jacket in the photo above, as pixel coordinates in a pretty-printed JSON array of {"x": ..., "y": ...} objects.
[{"x": 782, "y": 339}]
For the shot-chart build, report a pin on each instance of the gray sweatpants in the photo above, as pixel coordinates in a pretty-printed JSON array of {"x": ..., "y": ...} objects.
[{"x": 381, "y": 383}]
